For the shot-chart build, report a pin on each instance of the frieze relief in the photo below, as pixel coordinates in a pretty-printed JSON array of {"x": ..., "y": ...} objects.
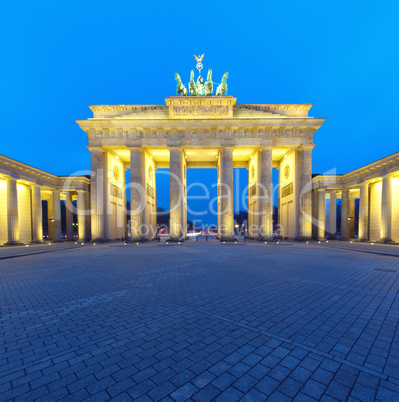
[
  {"x": 200, "y": 110},
  {"x": 206, "y": 133}
]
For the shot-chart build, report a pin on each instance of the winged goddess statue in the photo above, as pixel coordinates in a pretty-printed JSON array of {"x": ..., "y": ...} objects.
[{"x": 199, "y": 62}]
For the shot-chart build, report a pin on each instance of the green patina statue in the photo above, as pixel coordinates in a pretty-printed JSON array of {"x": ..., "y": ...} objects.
[
  {"x": 180, "y": 88},
  {"x": 209, "y": 84},
  {"x": 191, "y": 85},
  {"x": 201, "y": 88},
  {"x": 222, "y": 88}
]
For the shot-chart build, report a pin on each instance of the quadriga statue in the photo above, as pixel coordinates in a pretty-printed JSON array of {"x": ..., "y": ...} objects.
[
  {"x": 222, "y": 88},
  {"x": 180, "y": 88}
]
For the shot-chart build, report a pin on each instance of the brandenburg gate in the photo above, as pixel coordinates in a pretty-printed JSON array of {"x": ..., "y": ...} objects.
[
  {"x": 200, "y": 132},
  {"x": 197, "y": 129}
]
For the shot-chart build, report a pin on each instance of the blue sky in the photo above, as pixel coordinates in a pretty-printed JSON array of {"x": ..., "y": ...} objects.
[{"x": 57, "y": 57}]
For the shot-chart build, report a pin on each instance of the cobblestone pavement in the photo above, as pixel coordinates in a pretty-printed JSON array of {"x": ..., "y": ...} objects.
[{"x": 200, "y": 321}]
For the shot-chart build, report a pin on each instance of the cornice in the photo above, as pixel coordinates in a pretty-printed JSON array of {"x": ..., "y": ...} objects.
[
  {"x": 383, "y": 167},
  {"x": 21, "y": 171}
]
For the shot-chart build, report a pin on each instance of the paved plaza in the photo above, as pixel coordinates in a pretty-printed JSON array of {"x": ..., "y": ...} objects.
[{"x": 200, "y": 321}]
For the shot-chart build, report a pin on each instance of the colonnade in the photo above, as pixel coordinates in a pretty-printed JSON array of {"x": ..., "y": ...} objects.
[
  {"x": 143, "y": 192},
  {"x": 23, "y": 218},
  {"x": 377, "y": 213}
]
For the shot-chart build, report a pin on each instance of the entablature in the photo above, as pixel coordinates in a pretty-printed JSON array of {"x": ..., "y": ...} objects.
[{"x": 30, "y": 175}]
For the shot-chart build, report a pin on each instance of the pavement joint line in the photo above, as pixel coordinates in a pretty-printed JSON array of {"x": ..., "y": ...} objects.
[
  {"x": 282, "y": 339},
  {"x": 360, "y": 250},
  {"x": 38, "y": 252}
]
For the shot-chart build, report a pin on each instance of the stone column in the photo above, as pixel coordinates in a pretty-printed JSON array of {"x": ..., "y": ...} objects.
[
  {"x": 220, "y": 173},
  {"x": 50, "y": 221},
  {"x": 386, "y": 209},
  {"x": 305, "y": 213},
  {"x": 266, "y": 193},
  {"x": 315, "y": 209},
  {"x": 332, "y": 224},
  {"x": 364, "y": 211},
  {"x": 81, "y": 211},
  {"x": 97, "y": 194},
  {"x": 184, "y": 183},
  {"x": 345, "y": 214},
  {"x": 321, "y": 214},
  {"x": 12, "y": 212},
  {"x": 351, "y": 222},
  {"x": 176, "y": 194},
  {"x": 137, "y": 194},
  {"x": 56, "y": 216},
  {"x": 69, "y": 216},
  {"x": 227, "y": 200},
  {"x": 37, "y": 215},
  {"x": 125, "y": 212}
]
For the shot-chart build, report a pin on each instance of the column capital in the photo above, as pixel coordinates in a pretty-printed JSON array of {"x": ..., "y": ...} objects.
[
  {"x": 388, "y": 175},
  {"x": 307, "y": 147},
  {"x": 136, "y": 148},
  {"x": 266, "y": 148},
  {"x": 98, "y": 149},
  {"x": 180, "y": 149}
]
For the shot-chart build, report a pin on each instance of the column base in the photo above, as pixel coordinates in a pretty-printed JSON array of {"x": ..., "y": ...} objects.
[
  {"x": 301, "y": 239},
  {"x": 97, "y": 240},
  {"x": 228, "y": 239},
  {"x": 175, "y": 240},
  {"x": 386, "y": 240},
  {"x": 266, "y": 238},
  {"x": 13, "y": 243},
  {"x": 38, "y": 242}
]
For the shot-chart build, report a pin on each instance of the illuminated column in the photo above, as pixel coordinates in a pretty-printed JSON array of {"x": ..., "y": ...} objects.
[
  {"x": 363, "y": 211},
  {"x": 266, "y": 193},
  {"x": 57, "y": 215},
  {"x": 137, "y": 193},
  {"x": 50, "y": 220},
  {"x": 81, "y": 211},
  {"x": 227, "y": 201},
  {"x": 220, "y": 170},
  {"x": 386, "y": 209},
  {"x": 321, "y": 213},
  {"x": 176, "y": 194},
  {"x": 184, "y": 184},
  {"x": 69, "y": 216},
  {"x": 332, "y": 224},
  {"x": 344, "y": 214},
  {"x": 97, "y": 194},
  {"x": 37, "y": 216},
  {"x": 305, "y": 213},
  {"x": 12, "y": 212},
  {"x": 351, "y": 222},
  {"x": 124, "y": 203}
]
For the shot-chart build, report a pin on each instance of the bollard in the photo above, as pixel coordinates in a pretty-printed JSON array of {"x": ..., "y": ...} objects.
[
  {"x": 206, "y": 238},
  {"x": 197, "y": 238}
]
